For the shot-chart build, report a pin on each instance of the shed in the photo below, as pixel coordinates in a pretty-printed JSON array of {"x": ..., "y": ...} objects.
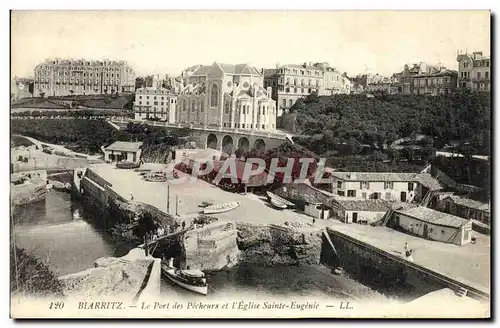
[
  {"x": 123, "y": 151},
  {"x": 434, "y": 225}
]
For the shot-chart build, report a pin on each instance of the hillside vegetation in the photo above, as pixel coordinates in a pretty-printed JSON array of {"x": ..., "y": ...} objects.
[
  {"x": 356, "y": 120},
  {"x": 87, "y": 136}
]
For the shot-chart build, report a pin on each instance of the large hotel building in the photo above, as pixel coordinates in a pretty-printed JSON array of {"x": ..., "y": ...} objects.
[
  {"x": 291, "y": 82},
  {"x": 59, "y": 77}
]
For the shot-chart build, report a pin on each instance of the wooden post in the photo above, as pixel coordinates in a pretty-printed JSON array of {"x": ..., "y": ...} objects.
[
  {"x": 176, "y": 204},
  {"x": 168, "y": 199}
]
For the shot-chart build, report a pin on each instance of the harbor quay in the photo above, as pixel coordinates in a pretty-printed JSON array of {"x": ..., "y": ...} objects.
[{"x": 467, "y": 265}]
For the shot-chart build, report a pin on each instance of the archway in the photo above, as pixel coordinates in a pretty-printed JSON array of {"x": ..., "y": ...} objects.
[
  {"x": 259, "y": 145},
  {"x": 212, "y": 141},
  {"x": 243, "y": 144},
  {"x": 227, "y": 144}
]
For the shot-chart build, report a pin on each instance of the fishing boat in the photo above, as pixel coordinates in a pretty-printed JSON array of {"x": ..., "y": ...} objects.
[
  {"x": 193, "y": 280},
  {"x": 220, "y": 208},
  {"x": 279, "y": 205},
  {"x": 278, "y": 199}
]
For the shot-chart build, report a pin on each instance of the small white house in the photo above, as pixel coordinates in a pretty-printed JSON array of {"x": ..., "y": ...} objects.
[
  {"x": 317, "y": 210},
  {"x": 123, "y": 151},
  {"x": 434, "y": 225},
  {"x": 350, "y": 210}
]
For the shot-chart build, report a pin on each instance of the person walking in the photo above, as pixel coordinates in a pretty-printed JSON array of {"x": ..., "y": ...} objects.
[{"x": 183, "y": 225}]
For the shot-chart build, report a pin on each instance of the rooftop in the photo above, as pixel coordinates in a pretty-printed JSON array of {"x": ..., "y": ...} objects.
[
  {"x": 371, "y": 205},
  {"x": 428, "y": 181},
  {"x": 124, "y": 146},
  {"x": 470, "y": 203},
  {"x": 375, "y": 176},
  {"x": 239, "y": 69},
  {"x": 434, "y": 217}
]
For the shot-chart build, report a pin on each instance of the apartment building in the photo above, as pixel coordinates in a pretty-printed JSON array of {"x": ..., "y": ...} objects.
[
  {"x": 228, "y": 96},
  {"x": 155, "y": 103},
  {"x": 291, "y": 82},
  {"x": 474, "y": 71},
  {"x": 434, "y": 84},
  {"x": 61, "y": 77}
]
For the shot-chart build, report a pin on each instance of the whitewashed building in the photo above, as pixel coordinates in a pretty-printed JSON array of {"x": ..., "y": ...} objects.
[
  {"x": 123, "y": 151},
  {"x": 434, "y": 225},
  {"x": 151, "y": 103}
]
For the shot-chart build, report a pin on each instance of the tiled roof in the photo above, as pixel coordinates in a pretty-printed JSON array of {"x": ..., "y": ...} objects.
[
  {"x": 302, "y": 67},
  {"x": 470, "y": 203},
  {"x": 434, "y": 217},
  {"x": 202, "y": 70},
  {"x": 124, "y": 146},
  {"x": 429, "y": 181},
  {"x": 238, "y": 69},
  {"x": 375, "y": 176},
  {"x": 270, "y": 72},
  {"x": 372, "y": 205}
]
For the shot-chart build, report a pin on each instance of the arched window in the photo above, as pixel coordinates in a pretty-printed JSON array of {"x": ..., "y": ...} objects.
[
  {"x": 214, "y": 95},
  {"x": 184, "y": 105},
  {"x": 193, "y": 106}
]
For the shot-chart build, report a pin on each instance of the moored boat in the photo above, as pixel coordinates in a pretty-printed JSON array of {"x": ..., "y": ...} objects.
[
  {"x": 220, "y": 208},
  {"x": 278, "y": 199},
  {"x": 193, "y": 280},
  {"x": 279, "y": 205}
]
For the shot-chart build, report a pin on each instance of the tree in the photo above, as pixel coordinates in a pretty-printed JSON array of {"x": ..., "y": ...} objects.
[
  {"x": 72, "y": 92},
  {"x": 42, "y": 94},
  {"x": 409, "y": 153}
]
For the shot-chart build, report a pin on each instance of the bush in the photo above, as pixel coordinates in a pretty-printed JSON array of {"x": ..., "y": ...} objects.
[{"x": 32, "y": 277}]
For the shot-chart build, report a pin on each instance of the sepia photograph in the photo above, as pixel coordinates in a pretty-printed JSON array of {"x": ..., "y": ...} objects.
[{"x": 272, "y": 164}]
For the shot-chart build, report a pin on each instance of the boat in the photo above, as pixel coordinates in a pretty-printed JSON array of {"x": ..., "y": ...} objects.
[
  {"x": 279, "y": 199},
  {"x": 279, "y": 205},
  {"x": 220, "y": 208},
  {"x": 193, "y": 280},
  {"x": 128, "y": 165}
]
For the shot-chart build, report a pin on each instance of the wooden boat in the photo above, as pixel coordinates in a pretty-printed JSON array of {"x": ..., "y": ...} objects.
[
  {"x": 279, "y": 205},
  {"x": 193, "y": 280},
  {"x": 220, "y": 208},
  {"x": 279, "y": 199},
  {"x": 128, "y": 165}
]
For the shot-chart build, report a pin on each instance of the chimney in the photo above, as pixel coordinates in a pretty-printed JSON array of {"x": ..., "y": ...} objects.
[{"x": 277, "y": 65}]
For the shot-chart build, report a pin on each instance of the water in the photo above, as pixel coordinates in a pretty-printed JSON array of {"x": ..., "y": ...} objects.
[
  {"x": 261, "y": 282},
  {"x": 58, "y": 232}
]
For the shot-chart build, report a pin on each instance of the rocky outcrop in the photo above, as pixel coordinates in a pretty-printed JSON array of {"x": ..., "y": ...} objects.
[
  {"x": 110, "y": 277},
  {"x": 278, "y": 245}
]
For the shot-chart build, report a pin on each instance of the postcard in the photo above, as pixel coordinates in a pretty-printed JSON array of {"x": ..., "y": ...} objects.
[{"x": 250, "y": 164}]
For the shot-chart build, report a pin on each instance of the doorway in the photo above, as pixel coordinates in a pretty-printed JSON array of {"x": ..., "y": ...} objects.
[
  {"x": 403, "y": 196},
  {"x": 354, "y": 217},
  {"x": 426, "y": 231}
]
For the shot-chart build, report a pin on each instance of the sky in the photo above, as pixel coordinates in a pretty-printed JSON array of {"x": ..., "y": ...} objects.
[{"x": 166, "y": 42}]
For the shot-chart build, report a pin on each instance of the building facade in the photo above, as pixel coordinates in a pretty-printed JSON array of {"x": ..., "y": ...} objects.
[
  {"x": 424, "y": 78},
  {"x": 291, "y": 82},
  {"x": 57, "y": 77},
  {"x": 374, "y": 185},
  {"x": 226, "y": 96},
  {"x": 155, "y": 103},
  {"x": 474, "y": 71},
  {"x": 434, "y": 84}
]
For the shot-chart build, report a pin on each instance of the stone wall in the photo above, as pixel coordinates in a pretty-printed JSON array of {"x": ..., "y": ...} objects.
[
  {"x": 112, "y": 277},
  {"x": 212, "y": 248},
  {"x": 384, "y": 272}
]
